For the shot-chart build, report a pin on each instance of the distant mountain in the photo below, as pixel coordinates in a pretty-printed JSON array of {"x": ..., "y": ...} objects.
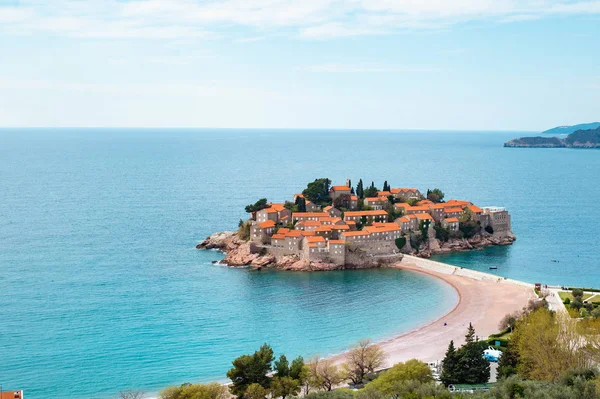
[
  {"x": 572, "y": 129},
  {"x": 580, "y": 139}
]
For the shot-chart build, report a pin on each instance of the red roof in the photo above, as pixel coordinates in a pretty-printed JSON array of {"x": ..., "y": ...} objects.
[
  {"x": 475, "y": 209},
  {"x": 267, "y": 224},
  {"x": 380, "y": 212},
  {"x": 337, "y": 242},
  {"x": 315, "y": 239},
  {"x": 424, "y": 216},
  {"x": 451, "y": 220},
  {"x": 340, "y": 188},
  {"x": 310, "y": 215},
  {"x": 453, "y": 210}
]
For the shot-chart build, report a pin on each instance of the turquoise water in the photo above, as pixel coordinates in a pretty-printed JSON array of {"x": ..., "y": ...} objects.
[{"x": 102, "y": 288}]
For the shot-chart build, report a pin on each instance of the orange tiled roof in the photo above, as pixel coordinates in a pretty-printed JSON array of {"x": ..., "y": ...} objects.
[
  {"x": 283, "y": 230},
  {"x": 315, "y": 239},
  {"x": 454, "y": 202},
  {"x": 307, "y": 233},
  {"x": 367, "y": 213},
  {"x": 278, "y": 207},
  {"x": 424, "y": 216},
  {"x": 453, "y": 210},
  {"x": 323, "y": 229},
  {"x": 267, "y": 224},
  {"x": 438, "y": 206},
  {"x": 293, "y": 233},
  {"x": 418, "y": 208},
  {"x": 278, "y": 236},
  {"x": 270, "y": 210},
  {"x": 351, "y": 223},
  {"x": 355, "y": 233},
  {"x": 402, "y": 205},
  {"x": 373, "y": 229},
  {"x": 425, "y": 202},
  {"x": 328, "y": 208},
  {"x": 475, "y": 209},
  {"x": 353, "y": 198},
  {"x": 403, "y": 190},
  {"x": 339, "y": 227},
  {"x": 384, "y": 193},
  {"x": 340, "y": 188},
  {"x": 404, "y": 219},
  {"x": 336, "y": 242},
  {"x": 451, "y": 220},
  {"x": 311, "y": 223},
  {"x": 310, "y": 215}
]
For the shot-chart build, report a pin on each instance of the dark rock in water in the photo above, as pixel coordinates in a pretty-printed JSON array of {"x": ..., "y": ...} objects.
[{"x": 214, "y": 261}]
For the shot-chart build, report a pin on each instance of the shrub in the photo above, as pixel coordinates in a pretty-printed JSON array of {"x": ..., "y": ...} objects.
[
  {"x": 567, "y": 301},
  {"x": 441, "y": 233},
  {"x": 400, "y": 242}
]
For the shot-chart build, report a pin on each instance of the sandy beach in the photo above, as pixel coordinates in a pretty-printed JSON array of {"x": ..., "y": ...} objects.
[{"x": 483, "y": 300}]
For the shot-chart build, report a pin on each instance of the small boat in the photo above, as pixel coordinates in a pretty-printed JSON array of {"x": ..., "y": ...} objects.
[{"x": 493, "y": 267}]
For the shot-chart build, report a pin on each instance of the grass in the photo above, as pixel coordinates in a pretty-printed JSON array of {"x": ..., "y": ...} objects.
[{"x": 567, "y": 294}]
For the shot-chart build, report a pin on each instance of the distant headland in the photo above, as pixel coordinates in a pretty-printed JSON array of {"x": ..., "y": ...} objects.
[
  {"x": 572, "y": 129},
  {"x": 339, "y": 227},
  {"x": 579, "y": 139}
]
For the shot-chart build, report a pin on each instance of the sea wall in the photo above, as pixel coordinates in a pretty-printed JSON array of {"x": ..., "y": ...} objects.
[{"x": 445, "y": 268}]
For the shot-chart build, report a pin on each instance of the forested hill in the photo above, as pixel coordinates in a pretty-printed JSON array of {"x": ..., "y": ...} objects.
[
  {"x": 572, "y": 129},
  {"x": 580, "y": 139}
]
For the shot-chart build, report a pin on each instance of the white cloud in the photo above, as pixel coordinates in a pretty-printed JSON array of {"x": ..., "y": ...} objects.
[{"x": 169, "y": 19}]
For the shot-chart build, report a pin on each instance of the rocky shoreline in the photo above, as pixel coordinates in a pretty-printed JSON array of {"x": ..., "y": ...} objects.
[{"x": 240, "y": 253}]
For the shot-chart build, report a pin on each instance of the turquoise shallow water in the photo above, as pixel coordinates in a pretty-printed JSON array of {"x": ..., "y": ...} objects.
[{"x": 102, "y": 288}]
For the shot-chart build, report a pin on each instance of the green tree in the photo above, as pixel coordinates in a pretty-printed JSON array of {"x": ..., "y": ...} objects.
[
  {"x": 251, "y": 369},
  {"x": 282, "y": 387},
  {"x": 371, "y": 191},
  {"x": 318, "y": 191},
  {"x": 386, "y": 186},
  {"x": 257, "y": 206},
  {"x": 282, "y": 366},
  {"x": 507, "y": 364},
  {"x": 470, "y": 335},
  {"x": 449, "y": 366},
  {"x": 298, "y": 369},
  {"x": 413, "y": 370},
  {"x": 360, "y": 192},
  {"x": 436, "y": 195},
  {"x": 255, "y": 391},
  {"x": 195, "y": 391},
  {"x": 400, "y": 242},
  {"x": 365, "y": 358},
  {"x": 301, "y": 204}
]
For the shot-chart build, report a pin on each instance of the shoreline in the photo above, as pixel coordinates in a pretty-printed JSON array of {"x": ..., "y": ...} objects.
[{"x": 483, "y": 299}]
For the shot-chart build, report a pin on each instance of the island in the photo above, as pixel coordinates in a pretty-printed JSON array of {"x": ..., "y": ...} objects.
[
  {"x": 339, "y": 227},
  {"x": 580, "y": 139}
]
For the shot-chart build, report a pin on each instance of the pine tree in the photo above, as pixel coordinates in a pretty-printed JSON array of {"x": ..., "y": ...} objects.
[
  {"x": 385, "y": 186},
  {"x": 470, "y": 336},
  {"x": 349, "y": 183},
  {"x": 449, "y": 366}
]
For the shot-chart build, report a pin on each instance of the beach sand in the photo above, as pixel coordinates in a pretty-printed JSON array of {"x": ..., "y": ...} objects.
[{"x": 484, "y": 299}]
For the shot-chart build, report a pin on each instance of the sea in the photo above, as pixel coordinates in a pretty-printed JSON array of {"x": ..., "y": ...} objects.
[{"x": 102, "y": 289}]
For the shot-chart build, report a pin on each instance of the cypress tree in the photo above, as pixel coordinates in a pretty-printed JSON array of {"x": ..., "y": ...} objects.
[{"x": 359, "y": 189}]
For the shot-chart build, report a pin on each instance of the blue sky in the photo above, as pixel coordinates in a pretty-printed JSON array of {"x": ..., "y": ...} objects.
[{"x": 385, "y": 64}]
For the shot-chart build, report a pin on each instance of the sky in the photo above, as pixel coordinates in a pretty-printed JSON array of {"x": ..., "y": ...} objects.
[{"x": 348, "y": 64}]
